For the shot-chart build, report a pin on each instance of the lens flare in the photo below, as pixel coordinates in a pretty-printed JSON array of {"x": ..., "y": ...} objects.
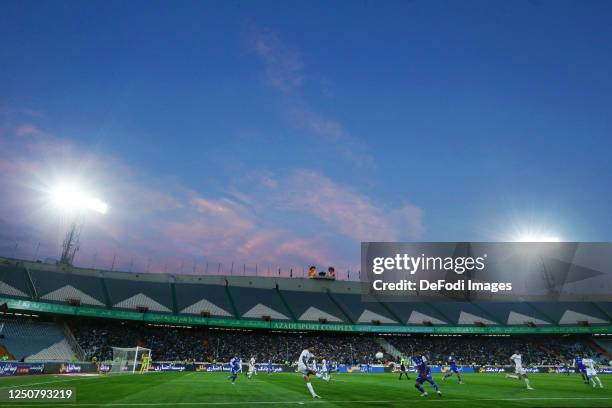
[{"x": 72, "y": 198}]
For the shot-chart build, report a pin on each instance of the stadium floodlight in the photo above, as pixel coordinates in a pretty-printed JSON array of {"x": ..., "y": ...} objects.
[
  {"x": 69, "y": 197},
  {"x": 74, "y": 201},
  {"x": 533, "y": 232},
  {"x": 537, "y": 238}
]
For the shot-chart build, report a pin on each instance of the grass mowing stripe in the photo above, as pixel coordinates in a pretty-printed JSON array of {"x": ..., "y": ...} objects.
[
  {"x": 288, "y": 389},
  {"x": 47, "y": 382},
  {"x": 321, "y": 401}
]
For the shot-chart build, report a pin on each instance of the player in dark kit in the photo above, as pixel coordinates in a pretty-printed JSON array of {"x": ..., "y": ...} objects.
[
  {"x": 424, "y": 374},
  {"x": 403, "y": 370},
  {"x": 566, "y": 368}
]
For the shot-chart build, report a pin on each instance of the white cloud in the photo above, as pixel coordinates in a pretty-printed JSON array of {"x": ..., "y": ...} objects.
[{"x": 284, "y": 72}]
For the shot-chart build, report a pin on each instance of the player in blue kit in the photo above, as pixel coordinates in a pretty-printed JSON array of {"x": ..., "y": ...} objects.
[
  {"x": 579, "y": 366},
  {"x": 330, "y": 368},
  {"x": 235, "y": 368},
  {"x": 424, "y": 374},
  {"x": 270, "y": 368},
  {"x": 452, "y": 369}
]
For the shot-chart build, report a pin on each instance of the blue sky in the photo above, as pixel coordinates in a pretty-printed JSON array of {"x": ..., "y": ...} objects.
[{"x": 283, "y": 133}]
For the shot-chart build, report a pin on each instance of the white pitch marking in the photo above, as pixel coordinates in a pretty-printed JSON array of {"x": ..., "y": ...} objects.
[
  {"x": 47, "y": 382},
  {"x": 152, "y": 404}
]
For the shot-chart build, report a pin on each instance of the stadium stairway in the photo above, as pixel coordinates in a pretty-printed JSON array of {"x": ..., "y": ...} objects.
[
  {"x": 389, "y": 348},
  {"x": 175, "y": 308},
  {"x": 31, "y": 284},
  {"x": 74, "y": 344},
  {"x": 340, "y": 307},
  {"x": 547, "y": 349},
  {"x": 60, "y": 351},
  {"x": 282, "y": 298},
  {"x": 107, "y": 297},
  {"x": 231, "y": 300},
  {"x": 603, "y": 346}
]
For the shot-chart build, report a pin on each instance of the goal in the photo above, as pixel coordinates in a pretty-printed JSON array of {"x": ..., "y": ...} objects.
[{"x": 127, "y": 360}]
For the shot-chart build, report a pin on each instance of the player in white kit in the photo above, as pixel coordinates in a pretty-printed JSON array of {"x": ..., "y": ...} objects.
[
  {"x": 305, "y": 367},
  {"x": 252, "y": 369},
  {"x": 591, "y": 372},
  {"x": 517, "y": 359},
  {"x": 324, "y": 372}
]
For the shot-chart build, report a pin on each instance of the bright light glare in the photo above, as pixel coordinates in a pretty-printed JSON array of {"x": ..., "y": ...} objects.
[
  {"x": 70, "y": 198},
  {"x": 536, "y": 238}
]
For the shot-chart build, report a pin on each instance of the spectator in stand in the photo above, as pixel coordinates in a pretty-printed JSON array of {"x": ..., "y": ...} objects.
[{"x": 212, "y": 345}]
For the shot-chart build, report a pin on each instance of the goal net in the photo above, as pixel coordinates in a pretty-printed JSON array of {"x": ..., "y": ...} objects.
[{"x": 129, "y": 360}]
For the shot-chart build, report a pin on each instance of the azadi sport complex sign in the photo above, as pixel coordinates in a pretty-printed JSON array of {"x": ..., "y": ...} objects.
[
  {"x": 41, "y": 307},
  {"x": 485, "y": 271}
]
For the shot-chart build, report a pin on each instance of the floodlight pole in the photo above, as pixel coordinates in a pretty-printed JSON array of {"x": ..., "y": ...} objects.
[{"x": 70, "y": 246}]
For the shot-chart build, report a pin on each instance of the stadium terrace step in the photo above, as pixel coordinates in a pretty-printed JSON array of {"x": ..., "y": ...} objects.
[{"x": 32, "y": 340}]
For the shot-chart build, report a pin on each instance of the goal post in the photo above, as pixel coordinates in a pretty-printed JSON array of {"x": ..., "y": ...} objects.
[{"x": 126, "y": 360}]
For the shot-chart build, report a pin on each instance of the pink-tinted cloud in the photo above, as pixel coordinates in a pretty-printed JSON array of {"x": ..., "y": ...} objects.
[
  {"x": 350, "y": 213},
  {"x": 229, "y": 230},
  {"x": 307, "y": 250},
  {"x": 282, "y": 219}
]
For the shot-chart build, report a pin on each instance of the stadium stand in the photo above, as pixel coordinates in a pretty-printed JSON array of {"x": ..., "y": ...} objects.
[
  {"x": 137, "y": 292},
  {"x": 240, "y": 304},
  {"x": 204, "y": 344},
  {"x": 202, "y": 299},
  {"x": 606, "y": 345},
  {"x": 573, "y": 313},
  {"x": 35, "y": 341},
  {"x": 540, "y": 350},
  {"x": 13, "y": 281},
  {"x": 200, "y": 344},
  {"x": 314, "y": 307},
  {"x": 605, "y": 307},
  {"x": 66, "y": 287},
  {"x": 258, "y": 303},
  {"x": 417, "y": 313},
  {"x": 276, "y": 299},
  {"x": 465, "y": 313},
  {"x": 514, "y": 313},
  {"x": 364, "y": 312}
]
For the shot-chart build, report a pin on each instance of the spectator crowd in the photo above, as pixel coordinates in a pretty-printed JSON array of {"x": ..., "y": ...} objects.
[
  {"x": 202, "y": 344},
  {"x": 490, "y": 350}
]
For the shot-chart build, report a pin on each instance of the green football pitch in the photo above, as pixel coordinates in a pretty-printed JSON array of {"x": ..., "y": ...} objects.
[{"x": 287, "y": 389}]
